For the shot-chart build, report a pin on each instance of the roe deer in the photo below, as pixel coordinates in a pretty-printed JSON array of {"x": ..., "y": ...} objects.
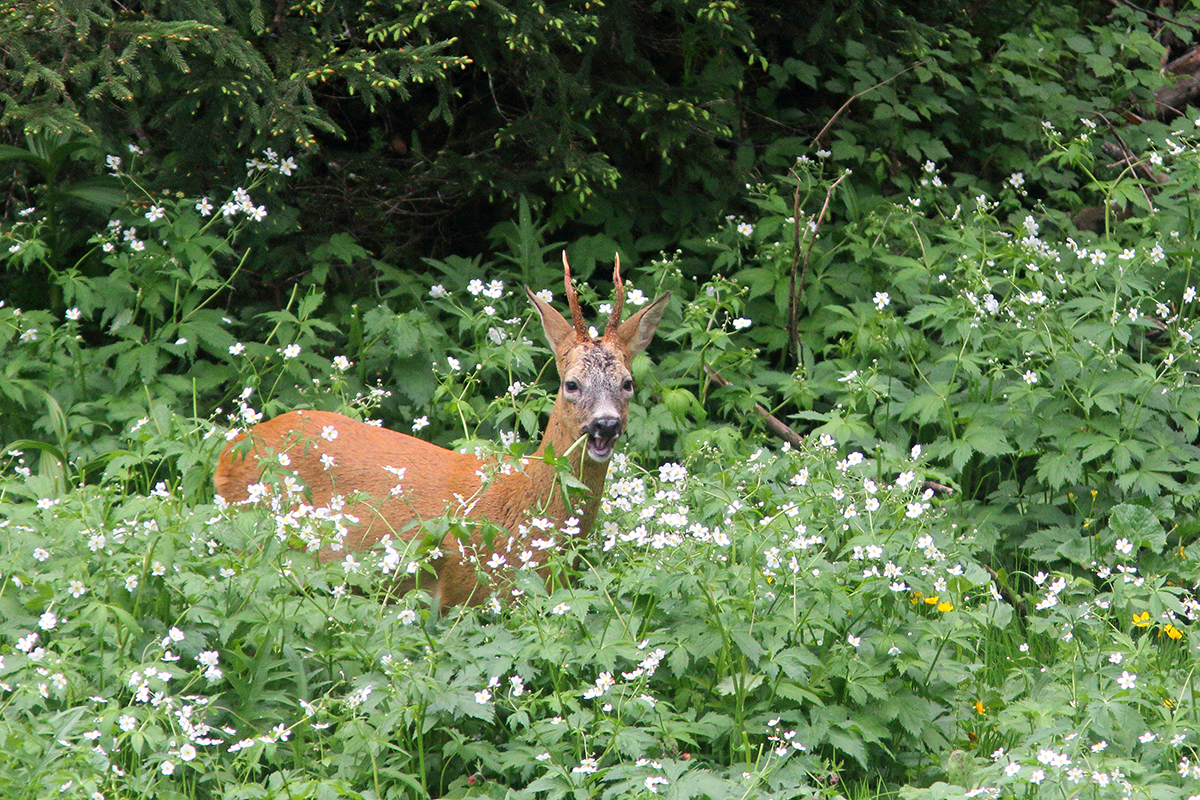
[{"x": 595, "y": 386}]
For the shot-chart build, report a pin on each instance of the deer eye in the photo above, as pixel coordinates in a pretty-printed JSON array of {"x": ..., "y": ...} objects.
[
  {"x": 627, "y": 385},
  {"x": 571, "y": 386}
]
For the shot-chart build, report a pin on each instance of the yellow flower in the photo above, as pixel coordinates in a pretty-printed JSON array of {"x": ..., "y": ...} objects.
[
  {"x": 1142, "y": 620},
  {"x": 932, "y": 600},
  {"x": 979, "y": 707},
  {"x": 1171, "y": 631},
  {"x": 945, "y": 606}
]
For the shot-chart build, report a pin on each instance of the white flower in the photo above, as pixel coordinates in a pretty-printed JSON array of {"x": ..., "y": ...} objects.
[
  {"x": 483, "y": 696},
  {"x": 881, "y": 300},
  {"x": 741, "y": 323},
  {"x": 1030, "y": 377},
  {"x": 48, "y": 621},
  {"x": 454, "y": 363},
  {"x": 420, "y": 422},
  {"x": 329, "y": 433},
  {"x": 1189, "y": 294},
  {"x": 437, "y": 291},
  {"x": 1128, "y": 680},
  {"x": 341, "y": 363},
  {"x": 291, "y": 351},
  {"x": 586, "y": 766},
  {"x": 672, "y": 472},
  {"x": 1124, "y": 546},
  {"x": 1016, "y": 180},
  {"x": 560, "y": 609},
  {"x": 475, "y": 287},
  {"x": 187, "y": 752},
  {"x": 156, "y": 213},
  {"x": 237, "y": 349},
  {"x": 745, "y": 229}
]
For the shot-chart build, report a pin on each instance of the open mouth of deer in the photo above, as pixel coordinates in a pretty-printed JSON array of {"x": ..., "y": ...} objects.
[{"x": 602, "y": 439}]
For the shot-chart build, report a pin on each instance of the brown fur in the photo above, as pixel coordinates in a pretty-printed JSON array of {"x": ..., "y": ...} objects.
[{"x": 436, "y": 480}]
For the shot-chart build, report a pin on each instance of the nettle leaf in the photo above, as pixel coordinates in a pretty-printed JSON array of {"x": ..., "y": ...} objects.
[
  {"x": 739, "y": 684},
  {"x": 926, "y": 406},
  {"x": 1058, "y": 469},
  {"x": 1137, "y": 524}
]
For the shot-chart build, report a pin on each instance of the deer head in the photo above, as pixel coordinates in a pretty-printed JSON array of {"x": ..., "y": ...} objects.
[{"x": 595, "y": 383}]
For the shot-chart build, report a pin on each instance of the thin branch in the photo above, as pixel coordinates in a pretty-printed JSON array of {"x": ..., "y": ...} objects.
[
  {"x": 817, "y": 139},
  {"x": 1152, "y": 15},
  {"x": 789, "y": 435},
  {"x": 796, "y": 291},
  {"x": 773, "y": 423}
]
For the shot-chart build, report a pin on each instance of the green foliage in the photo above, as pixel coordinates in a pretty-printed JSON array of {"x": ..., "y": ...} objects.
[
  {"x": 1048, "y": 375},
  {"x": 971, "y": 576},
  {"x": 749, "y": 623}
]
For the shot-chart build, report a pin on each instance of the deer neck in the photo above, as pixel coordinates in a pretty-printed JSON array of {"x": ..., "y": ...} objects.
[{"x": 545, "y": 487}]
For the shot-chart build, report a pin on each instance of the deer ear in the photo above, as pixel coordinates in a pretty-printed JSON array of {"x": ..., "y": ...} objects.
[
  {"x": 637, "y": 331},
  {"x": 559, "y": 333}
]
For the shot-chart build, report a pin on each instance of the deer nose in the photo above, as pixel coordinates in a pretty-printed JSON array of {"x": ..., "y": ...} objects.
[{"x": 606, "y": 427}]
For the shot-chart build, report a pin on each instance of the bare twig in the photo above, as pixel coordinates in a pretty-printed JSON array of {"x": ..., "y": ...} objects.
[
  {"x": 796, "y": 291},
  {"x": 785, "y": 431},
  {"x": 817, "y": 139},
  {"x": 773, "y": 423},
  {"x": 1152, "y": 15}
]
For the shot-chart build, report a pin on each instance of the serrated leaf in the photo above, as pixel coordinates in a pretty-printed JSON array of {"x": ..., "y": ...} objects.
[
  {"x": 1139, "y": 525},
  {"x": 735, "y": 683},
  {"x": 1059, "y": 469}
]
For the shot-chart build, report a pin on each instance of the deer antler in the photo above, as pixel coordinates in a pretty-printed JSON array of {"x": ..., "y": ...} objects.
[
  {"x": 614, "y": 319},
  {"x": 573, "y": 301}
]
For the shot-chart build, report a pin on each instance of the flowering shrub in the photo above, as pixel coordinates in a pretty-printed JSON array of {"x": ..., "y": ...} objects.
[
  {"x": 1047, "y": 373},
  {"x": 970, "y": 576},
  {"x": 768, "y": 626}
]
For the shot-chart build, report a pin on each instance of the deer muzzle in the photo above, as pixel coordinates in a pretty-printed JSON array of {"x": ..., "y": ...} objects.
[{"x": 602, "y": 435}]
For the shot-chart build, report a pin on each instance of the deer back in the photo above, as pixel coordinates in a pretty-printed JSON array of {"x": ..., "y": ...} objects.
[{"x": 391, "y": 482}]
